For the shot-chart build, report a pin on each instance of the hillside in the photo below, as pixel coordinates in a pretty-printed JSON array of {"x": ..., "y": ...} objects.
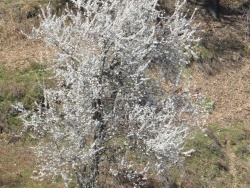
[{"x": 221, "y": 73}]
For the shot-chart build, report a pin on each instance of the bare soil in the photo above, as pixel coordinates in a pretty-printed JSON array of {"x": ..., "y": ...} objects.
[
  {"x": 222, "y": 72},
  {"x": 17, "y": 17}
]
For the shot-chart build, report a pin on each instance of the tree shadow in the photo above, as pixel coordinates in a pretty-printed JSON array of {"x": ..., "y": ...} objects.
[
  {"x": 218, "y": 10},
  {"x": 222, "y": 46},
  {"x": 237, "y": 11},
  {"x": 223, "y": 55}
]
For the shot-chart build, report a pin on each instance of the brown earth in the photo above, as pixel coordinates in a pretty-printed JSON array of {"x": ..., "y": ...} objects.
[
  {"x": 17, "y": 17},
  {"x": 230, "y": 92},
  {"x": 222, "y": 72}
]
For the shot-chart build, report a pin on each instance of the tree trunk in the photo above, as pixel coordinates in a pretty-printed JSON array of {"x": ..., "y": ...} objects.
[{"x": 213, "y": 7}]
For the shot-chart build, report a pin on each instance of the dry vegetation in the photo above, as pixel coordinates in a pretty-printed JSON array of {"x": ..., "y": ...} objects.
[
  {"x": 222, "y": 71},
  {"x": 221, "y": 74},
  {"x": 17, "y": 163},
  {"x": 16, "y": 16}
]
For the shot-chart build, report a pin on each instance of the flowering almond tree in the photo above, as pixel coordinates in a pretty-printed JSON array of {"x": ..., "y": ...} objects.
[{"x": 110, "y": 120}]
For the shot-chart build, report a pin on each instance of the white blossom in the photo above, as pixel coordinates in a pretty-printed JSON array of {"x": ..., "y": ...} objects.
[{"x": 104, "y": 55}]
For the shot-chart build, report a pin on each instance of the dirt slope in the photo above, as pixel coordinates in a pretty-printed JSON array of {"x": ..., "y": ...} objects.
[
  {"x": 222, "y": 72},
  {"x": 16, "y": 50}
]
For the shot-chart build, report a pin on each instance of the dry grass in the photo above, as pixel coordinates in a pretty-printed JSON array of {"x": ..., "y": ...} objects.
[
  {"x": 17, "y": 163},
  {"x": 16, "y": 50},
  {"x": 222, "y": 73},
  {"x": 230, "y": 90}
]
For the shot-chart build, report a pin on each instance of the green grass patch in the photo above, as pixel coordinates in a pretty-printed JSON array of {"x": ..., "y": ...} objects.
[
  {"x": 238, "y": 136},
  {"x": 208, "y": 105},
  {"x": 211, "y": 163},
  {"x": 204, "y": 52},
  {"x": 23, "y": 86}
]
